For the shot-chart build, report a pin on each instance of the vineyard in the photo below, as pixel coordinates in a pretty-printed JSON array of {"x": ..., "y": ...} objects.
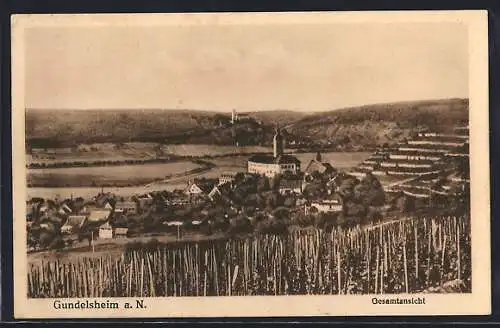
[{"x": 408, "y": 256}]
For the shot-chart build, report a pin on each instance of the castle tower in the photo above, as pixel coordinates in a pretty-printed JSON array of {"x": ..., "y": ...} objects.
[{"x": 278, "y": 143}]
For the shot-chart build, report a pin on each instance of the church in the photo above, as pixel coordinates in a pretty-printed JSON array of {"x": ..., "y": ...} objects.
[{"x": 278, "y": 163}]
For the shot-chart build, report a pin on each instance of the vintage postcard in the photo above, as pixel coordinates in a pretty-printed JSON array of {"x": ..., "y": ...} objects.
[{"x": 251, "y": 164}]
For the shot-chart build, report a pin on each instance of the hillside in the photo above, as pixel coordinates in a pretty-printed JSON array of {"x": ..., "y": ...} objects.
[
  {"x": 342, "y": 128},
  {"x": 66, "y": 128},
  {"x": 283, "y": 117},
  {"x": 382, "y": 123}
]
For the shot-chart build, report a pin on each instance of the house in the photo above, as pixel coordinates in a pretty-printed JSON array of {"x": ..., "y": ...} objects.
[
  {"x": 120, "y": 232},
  {"x": 220, "y": 190},
  {"x": 88, "y": 208},
  {"x": 316, "y": 165},
  {"x": 73, "y": 224},
  {"x": 64, "y": 209},
  {"x": 176, "y": 201},
  {"x": 126, "y": 207},
  {"x": 104, "y": 200},
  {"x": 200, "y": 186},
  {"x": 145, "y": 200},
  {"x": 105, "y": 231},
  {"x": 333, "y": 205},
  {"x": 98, "y": 215},
  {"x": 290, "y": 186},
  {"x": 226, "y": 177}
]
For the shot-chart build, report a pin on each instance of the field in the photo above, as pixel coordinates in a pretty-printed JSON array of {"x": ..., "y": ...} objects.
[
  {"x": 121, "y": 175},
  {"x": 132, "y": 151},
  {"x": 211, "y": 150},
  {"x": 129, "y": 179},
  {"x": 408, "y": 256}
]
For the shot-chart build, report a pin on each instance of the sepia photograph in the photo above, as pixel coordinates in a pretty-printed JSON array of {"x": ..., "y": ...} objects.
[{"x": 290, "y": 157}]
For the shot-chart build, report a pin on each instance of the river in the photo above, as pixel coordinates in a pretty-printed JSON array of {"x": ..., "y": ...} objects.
[{"x": 341, "y": 160}]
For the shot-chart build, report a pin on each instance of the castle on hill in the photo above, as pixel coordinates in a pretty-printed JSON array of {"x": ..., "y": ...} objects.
[{"x": 238, "y": 117}]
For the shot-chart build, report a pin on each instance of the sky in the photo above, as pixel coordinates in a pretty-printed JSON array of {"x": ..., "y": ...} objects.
[{"x": 311, "y": 67}]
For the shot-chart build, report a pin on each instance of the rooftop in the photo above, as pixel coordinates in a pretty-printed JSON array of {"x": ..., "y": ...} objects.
[
  {"x": 205, "y": 184},
  {"x": 121, "y": 231},
  {"x": 125, "y": 204},
  {"x": 75, "y": 220},
  {"x": 99, "y": 215},
  {"x": 269, "y": 159}
]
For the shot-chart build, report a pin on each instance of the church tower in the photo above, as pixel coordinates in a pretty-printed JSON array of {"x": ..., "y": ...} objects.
[
  {"x": 278, "y": 143},
  {"x": 233, "y": 116}
]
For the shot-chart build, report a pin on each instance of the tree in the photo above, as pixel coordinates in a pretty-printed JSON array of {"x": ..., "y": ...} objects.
[
  {"x": 274, "y": 226},
  {"x": 282, "y": 213},
  {"x": 45, "y": 238},
  {"x": 360, "y": 192},
  {"x": 315, "y": 189},
  {"x": 289, "y": 201},
  {"x": 355, "y": 209},
  {"x": 405, "y": 204},
  {"x": 275, "y": 182},
  {"x": 57, "y": 243},
  {"x": 263, "y": 184},
  {"x": 346, "y": 188},
  {"x": 271, "y": 200},
  {"x": 31, "y": 240},
  {"x": 326, "y": 220},
  {"x": 369, "y": 191},
  {"x": 302, "y": 220},
  {"x": 239, "y": 225},
  {"x": 373, "y": 217},
  {"x": 239, "y": 178}
]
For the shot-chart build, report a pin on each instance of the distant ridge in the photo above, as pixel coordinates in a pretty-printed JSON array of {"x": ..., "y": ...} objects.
[{"x": 363, "y": 125}]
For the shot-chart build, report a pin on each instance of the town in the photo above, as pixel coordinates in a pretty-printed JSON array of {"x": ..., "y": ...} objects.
[{"x": 427, "y": 174}]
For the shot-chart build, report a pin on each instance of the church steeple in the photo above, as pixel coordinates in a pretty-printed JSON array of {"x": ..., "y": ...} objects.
[{"x": 278, "y": 142}]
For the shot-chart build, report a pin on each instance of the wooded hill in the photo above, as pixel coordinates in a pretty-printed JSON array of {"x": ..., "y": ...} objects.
[{"x": 357, "y": 126}]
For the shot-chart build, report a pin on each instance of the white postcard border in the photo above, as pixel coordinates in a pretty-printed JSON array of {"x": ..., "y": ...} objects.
[{"x": 476, "y": 303}]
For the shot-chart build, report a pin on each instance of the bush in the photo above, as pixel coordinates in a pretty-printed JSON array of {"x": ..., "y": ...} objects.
[
  {"x": 240, "y": 226},
  {"x": 374, "y": 217},
  {"x": 152, "y": 244},
  {"x": 57, "y": 243},
  {"x": 319, "y": 221},
  {"x": 273, "y": 226},
  {"x": 303, "y": 220},
  {"x": 133, "y": 246}
]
